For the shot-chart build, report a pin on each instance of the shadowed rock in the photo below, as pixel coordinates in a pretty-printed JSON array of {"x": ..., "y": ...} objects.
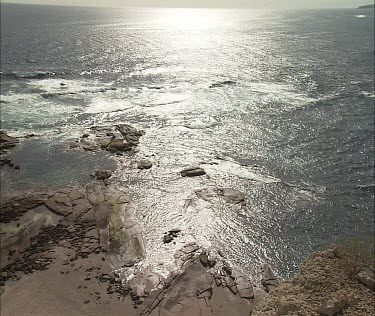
[
  {"x": 193, "y": 172},
  {"x": 7, "y": 141}
]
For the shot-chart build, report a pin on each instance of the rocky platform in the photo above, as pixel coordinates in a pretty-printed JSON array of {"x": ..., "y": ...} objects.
[{"x": 86, "y": 241}]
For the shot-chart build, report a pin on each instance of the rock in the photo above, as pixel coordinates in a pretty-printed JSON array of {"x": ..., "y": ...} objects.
[
  {"x": 222, "y": 84},
  {"x": 103, "y": 174},
  {"x": 190, "y": 248},
  {"x": 104, "y": 142},
  {"x": 233, "y": 196},
  {"x": 130, "y": 134},
  {"x": 167, "y": 239},
  {"x": 203, "y": 257},
  {"x": 144, "y": 164},
  {"x": 269, "y": 279},
  {"x": 119, "y": 145},
  {"x": 102, "y": 214},
  {"x": 175, "y": 231},
  {"x": 86, "y": 135},
  {"x": 331, "y": 308},
  {"x": 366, "y": 280},
  {"x": 7, "y": 141},
  {"x": 192, "y": 172}
]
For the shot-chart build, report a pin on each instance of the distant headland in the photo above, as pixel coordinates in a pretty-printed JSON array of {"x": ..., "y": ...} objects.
[{"x": 369, "y": 6}]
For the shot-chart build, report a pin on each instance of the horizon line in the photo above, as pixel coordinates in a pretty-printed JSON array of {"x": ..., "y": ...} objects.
[{"x": 166, "y": 7}]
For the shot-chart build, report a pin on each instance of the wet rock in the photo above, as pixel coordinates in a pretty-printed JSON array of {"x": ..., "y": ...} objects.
[
  {"x": 104, "y": 142},
  {"x": 167, "y": 239},
  {"x": 86, "y": 135},
  {"x": 7, "y": 141},
  {"x": 89, "y": 147},
  {"x": 174, "y": 231},
  {"x": 203, "y": 257},
  {"x": 144, "y": 164},
  {"x": 222, "y": 84},
  {"x": 193, "y": 172},
  {"x": 119, "y": 145},
  {"x": 130, "y": 134},
  {"x": 233, "y": 196},
  {"x": 102, "y": 174}
]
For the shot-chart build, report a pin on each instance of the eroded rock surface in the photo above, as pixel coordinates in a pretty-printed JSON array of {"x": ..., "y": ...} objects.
[
  {"x": 96, "y": 221},
  {"x": 116, "y": 139},
  {"x": 202, "y": 285},
  {"x": 325, "y": 285}
]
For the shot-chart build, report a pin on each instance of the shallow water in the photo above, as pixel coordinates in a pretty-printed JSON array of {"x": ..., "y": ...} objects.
[
  {"x": 293, "y": 128},
  {"x": 46, "y": 166}
]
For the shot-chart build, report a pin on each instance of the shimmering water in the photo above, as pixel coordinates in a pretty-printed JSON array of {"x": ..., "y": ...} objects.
[{"x": 293, "y": 129}]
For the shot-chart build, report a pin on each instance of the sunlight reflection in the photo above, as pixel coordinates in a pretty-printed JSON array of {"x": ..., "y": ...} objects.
[{"x": 188, "y": 19}]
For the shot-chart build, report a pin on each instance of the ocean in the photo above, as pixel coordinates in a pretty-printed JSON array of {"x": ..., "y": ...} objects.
[{"x": 276, "y": 104}]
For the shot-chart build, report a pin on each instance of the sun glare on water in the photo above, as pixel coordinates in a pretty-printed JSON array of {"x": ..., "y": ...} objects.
[{"x": 188, "y": 19}]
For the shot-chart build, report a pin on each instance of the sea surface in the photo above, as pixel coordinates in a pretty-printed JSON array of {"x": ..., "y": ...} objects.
[{"x": 276, "y": 104}]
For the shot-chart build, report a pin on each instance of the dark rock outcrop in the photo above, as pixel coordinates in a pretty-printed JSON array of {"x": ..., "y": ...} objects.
[
  {"x": 193, "y": 172},
  {"x": 222, "y": 84},
  {"x": 117, "y": 139}
]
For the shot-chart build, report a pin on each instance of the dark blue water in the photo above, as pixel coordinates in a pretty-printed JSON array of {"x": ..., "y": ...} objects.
[{"x": 295, "y": 130}]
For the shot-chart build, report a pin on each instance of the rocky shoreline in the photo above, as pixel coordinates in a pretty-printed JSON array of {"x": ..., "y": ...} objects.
[{"x": 76, "y": 252}]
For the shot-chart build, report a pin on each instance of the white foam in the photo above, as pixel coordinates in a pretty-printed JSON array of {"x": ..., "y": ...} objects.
[
  {"x": 102, "y": 105},
  {"x": 233, "y": 168},
  {"x": 55, "y": 86},
  {"x": 361, "y": 16}
]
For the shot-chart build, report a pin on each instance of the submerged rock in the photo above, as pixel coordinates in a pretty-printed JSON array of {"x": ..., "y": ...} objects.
[
  {"x": 193, "y": 172},
  {"x": 222, "y": 84},
  {"x": 144, "y": 164},
  {"x": 102, "y": 174},
  {"x": 233, "y": 196}
]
